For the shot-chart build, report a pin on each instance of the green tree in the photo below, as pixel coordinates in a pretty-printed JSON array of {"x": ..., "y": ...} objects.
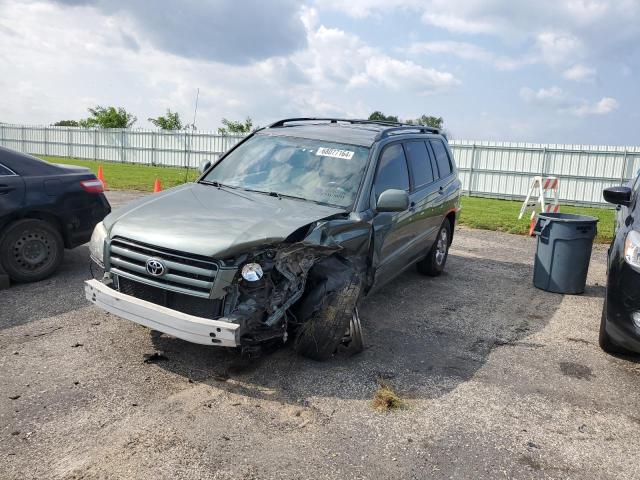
[
  {"x": 170, "y": 121},
  {"x": 236, "y": 128},
  {"x": 108, "y": 117},
  {"x": 66, "y": 123},
  {"x": 428, "y": 120},
  {"x": 381, "y": 117}
]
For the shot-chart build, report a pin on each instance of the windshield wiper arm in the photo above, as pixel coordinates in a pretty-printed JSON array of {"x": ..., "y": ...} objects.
[
  {"x": 215, "y": 184},
  {"x": 276, "y": 194}
]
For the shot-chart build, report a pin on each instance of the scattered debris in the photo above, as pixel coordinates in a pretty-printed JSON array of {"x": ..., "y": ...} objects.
[
  {"x": 221, "y": 377},
  {"x": 578, "y": 340},
  {"x": 15, "y": 432},
  {"x": 76, "y": 345},
  {"x": 235, "y": 404},
  {"x": 533, "y": 445},
  {"x": 134, "y": 404},
  {"x": 582, "y": 428},
  {"x": 14, "y": 397},
  {"x": 385, "y": 398},
  {"x": 155, "y": 357},
  {"x": 76, "y": 383},
  {"x": 16, "y": 353},
  {"x": 224, "y": 437},
  {"x": 46, "y": 333}
]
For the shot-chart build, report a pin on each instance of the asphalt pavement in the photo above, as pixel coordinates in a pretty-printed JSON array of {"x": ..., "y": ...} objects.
[{"x": 499, "y": 380}]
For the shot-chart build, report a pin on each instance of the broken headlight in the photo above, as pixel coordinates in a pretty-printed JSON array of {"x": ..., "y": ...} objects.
[
  {"x": 632, "y": 249},
  {"x": 96, "y": 244},
  {"x": 252, "y": 272}
]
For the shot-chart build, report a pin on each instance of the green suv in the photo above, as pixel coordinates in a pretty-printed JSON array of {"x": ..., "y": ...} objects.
[{"x": 282, "y": 237}]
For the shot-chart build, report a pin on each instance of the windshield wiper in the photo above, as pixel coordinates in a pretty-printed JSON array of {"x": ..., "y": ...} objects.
[
  {"x": 276, "y": 194},
  {"x": 216, "y": 184}
]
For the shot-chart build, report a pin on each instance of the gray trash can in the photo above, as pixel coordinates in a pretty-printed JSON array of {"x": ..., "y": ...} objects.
[{"x": 563, "y": 251}]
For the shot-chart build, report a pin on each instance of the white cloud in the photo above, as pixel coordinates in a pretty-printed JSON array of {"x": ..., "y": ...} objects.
[
  {"x": 604, "y": 106},
  {"x": 553, "y": 96},
  {"x": 458, "y": 24},
  {"x": 580, "y": 73},
  {"x": 559, "y": 48},
  {"x": 399, "y": 74},
  {"x": 470, "y": 51},
  {"x": 556, "y": 98}
]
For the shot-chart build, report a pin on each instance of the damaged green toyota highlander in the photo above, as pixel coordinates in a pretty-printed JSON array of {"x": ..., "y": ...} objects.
[{"x": 283, "y": 236}]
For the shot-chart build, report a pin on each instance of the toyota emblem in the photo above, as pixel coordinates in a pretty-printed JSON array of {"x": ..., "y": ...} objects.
[{"x": 155, "y": 267}]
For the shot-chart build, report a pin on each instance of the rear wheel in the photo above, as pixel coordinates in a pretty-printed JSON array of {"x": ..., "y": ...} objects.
[
  {"x": 433, "y": 264},
  {"x": 31, "y": 250}
]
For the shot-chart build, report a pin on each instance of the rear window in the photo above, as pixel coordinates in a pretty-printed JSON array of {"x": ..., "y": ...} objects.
[
  {"x": 419, "y": 162},
  {"x": 392, "y": 170},
  {"x": 442, "y": 158}
]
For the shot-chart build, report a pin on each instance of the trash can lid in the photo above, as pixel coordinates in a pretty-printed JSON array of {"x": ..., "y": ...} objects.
[{"x": 568, "y": 217}]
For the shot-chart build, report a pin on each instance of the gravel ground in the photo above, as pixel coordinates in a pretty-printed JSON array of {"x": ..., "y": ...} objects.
[{"x": 499, "y": 380}]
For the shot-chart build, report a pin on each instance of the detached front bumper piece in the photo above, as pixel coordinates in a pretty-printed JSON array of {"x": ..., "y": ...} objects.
[{"x": 181, "y": 325}]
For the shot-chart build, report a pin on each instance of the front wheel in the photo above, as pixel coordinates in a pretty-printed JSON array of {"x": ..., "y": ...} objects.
[
  {"x": 604, "y": 339},
  {"x": 31, "y": 250},
  {"x": 319, "y": 337},
  {"x": 433, "y": 264}
]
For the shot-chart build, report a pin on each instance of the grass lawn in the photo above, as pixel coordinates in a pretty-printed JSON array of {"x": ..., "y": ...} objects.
[
  {"x": 502, "y": 215},
  {"x": 127, "y": 176},
  {"x": 483, "y": 213}
]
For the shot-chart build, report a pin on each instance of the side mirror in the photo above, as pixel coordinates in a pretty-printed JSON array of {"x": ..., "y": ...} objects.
[
  {"x": 393, "y": 201},
  {"x": 204, "y": 166},
  {"x": 618, "y": 195}
]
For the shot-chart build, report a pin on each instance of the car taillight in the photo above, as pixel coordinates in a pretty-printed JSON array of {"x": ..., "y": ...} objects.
[{"x": 92, "y": 186}]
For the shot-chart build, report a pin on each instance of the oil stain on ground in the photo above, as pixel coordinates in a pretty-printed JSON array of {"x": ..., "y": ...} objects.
[{"x": 576, "y": 370}]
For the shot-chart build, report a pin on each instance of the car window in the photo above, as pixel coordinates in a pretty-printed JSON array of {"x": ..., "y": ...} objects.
[
  {"x": 392, "y": 170},
  {"x": 442, "y": 158},
  {"x": 419, "y": 162},
  {"x": 4, "y": 171}
]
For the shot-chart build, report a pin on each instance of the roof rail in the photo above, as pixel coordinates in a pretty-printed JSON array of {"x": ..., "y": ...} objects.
[
  {"x": 403, "y": 128},
  {"x": 394, "y": 126}
]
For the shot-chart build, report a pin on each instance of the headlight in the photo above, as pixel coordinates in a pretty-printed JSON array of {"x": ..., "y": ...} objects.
[
  {"x": 632, "y": 249},
  {"x": 96, "y": 244},
  {"x": 252, "y": 272}
]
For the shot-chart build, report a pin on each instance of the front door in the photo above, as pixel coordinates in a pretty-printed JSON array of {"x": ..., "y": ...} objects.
[{"x": 392, "y": 230}]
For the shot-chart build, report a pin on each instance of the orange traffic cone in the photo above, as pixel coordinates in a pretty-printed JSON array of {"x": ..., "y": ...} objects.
[
  {"x": 156, "y": 186},
  {"x": 532, "y": 225},
  {"x": 101, "y": 178}
]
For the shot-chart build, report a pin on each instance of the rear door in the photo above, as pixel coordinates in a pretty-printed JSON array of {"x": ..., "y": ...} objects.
[
  {"x": 393, "y": 230},
  {"x": 424, "y": 196},
  {"x": 11, "y": 191},
  {"x": 446, "y": 185}
]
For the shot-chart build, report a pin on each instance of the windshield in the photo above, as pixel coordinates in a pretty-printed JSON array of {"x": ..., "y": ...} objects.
[{"x": 315, "y": 170}]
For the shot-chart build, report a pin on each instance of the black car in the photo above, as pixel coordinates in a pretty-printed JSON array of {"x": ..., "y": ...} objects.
[
  {"x": 620, "y": 325},
  {"x": 44, "y": 208}
]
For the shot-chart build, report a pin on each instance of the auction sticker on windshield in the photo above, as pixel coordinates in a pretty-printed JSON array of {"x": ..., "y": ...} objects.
[{"x": 334, "y": 152}]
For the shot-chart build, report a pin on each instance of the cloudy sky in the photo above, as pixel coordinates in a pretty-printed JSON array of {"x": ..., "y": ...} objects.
[{"x": 562, "y": 71}]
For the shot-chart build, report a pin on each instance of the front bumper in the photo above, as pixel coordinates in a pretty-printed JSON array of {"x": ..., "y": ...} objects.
[{"x": 181, "y": 325}]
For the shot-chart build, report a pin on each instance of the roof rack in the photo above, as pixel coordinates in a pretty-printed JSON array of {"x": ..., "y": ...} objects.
[{"x": 395, "y": 127}]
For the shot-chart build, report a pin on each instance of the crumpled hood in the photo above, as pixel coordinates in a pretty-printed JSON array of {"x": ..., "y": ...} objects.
[{"x": 213, "y": 222}]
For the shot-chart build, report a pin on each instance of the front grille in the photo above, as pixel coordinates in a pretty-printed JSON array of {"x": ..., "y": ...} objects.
[
  {"x": 185, "y": 274},
  {"x": 200, "y": 307}
]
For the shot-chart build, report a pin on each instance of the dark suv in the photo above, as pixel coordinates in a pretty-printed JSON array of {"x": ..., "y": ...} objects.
[
  {"x": 283, "y": 235},
  {"x": 620, "y": 325}
]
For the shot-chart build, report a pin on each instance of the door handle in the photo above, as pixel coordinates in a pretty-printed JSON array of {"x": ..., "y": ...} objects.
[
  {"x": 441, "y": 190},
  {"x": 412, "y": 206},
  {"x": 4, "y": 189}
]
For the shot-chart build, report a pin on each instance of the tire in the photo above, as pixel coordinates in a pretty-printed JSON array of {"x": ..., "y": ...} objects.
[
  {"x": 433, "y": 264},
  {"x": 31, "y": 250},
  {"x": 604, "y": 339},
  {"x": 319, "y": 337}
]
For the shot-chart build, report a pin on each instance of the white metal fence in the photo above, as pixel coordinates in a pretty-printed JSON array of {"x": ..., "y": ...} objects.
[{"x": 490, "y": 169}]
